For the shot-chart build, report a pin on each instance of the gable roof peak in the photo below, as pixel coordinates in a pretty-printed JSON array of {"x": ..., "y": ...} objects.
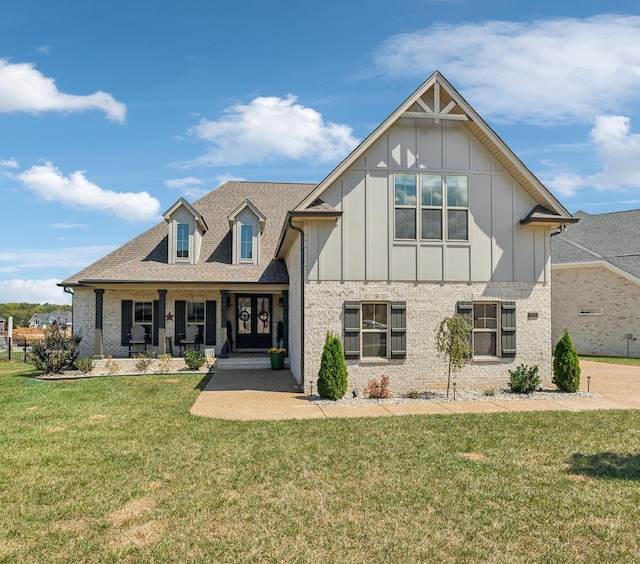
[
  {"x": 181, "y": 202},
  {"x": 247, "y": 205}
]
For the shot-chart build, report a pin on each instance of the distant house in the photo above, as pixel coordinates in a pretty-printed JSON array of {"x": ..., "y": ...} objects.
[
  {"x": 2, "y": 322},
  {"x": 596, "y": 283},
  {"x": 43, "y": 320},
  {"x": 430, "y": 216}
]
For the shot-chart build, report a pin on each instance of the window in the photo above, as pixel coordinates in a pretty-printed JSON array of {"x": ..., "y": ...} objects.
[
  {"x": 485, "y": 329},
  {"x": 143, "y": 315},
  {"x": 246, "y": 242},
  {"x": 195, "y": 312},
  {"x": 375, "y": 330},
  {"x": 182, "y": 241},
  {"x": 437, "y": 194},
  {"x": 493, "y": 327},
  {"x": 588, "y": 310}
]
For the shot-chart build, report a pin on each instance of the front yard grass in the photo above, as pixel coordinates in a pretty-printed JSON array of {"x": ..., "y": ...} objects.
[
  {"x": 612, "y": 359},
  {"x": 117, "y": 470}
]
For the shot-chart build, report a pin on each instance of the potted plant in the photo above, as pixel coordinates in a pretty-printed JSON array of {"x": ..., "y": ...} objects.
[{"x": 277, "y": 358}]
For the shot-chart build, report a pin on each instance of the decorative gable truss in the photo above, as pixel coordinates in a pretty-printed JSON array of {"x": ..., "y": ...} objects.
[
  {"x": 186, "y": 228},
  {"x": 246, "y": 224}
]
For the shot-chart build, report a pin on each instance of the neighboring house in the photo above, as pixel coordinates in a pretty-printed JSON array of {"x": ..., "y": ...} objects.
[
  {"x": 430, "y": 216},
  {"x": 43, "y": 320},
  {"x": 596, "y": 283},
  {"x": 2, "y": 322}
]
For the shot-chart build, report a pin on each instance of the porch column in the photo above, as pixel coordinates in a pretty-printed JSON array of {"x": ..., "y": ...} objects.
[
  {"x": 224, "y": 350},
  {"x": 98, "y": 351},
  {"x": 162, "y": 328},
  {"x": 285, "y": 319}
]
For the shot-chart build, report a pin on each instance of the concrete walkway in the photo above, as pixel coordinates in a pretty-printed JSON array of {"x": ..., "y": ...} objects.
[{"x": 274, "y": 394}]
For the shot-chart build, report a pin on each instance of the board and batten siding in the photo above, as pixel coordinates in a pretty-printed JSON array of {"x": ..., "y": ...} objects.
[{"x": 361, "y": 245}]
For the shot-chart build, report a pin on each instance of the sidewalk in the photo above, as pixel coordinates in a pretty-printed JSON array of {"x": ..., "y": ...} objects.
[{"x": 271, "y": 395}]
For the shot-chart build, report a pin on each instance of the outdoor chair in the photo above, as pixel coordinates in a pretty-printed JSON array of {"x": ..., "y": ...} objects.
[
  {"x": 138, "y": 338},
  {"x": 190, "y": 338}
]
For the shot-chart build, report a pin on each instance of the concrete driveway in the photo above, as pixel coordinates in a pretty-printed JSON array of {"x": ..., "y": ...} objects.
[{"x": 274, "y": 394}]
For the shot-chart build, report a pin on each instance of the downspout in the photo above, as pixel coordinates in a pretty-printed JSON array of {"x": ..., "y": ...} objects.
[{"x": 301, "y": 301}]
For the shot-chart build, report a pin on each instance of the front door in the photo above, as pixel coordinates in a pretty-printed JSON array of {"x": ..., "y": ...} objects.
[{"x": 253, "y": 322}]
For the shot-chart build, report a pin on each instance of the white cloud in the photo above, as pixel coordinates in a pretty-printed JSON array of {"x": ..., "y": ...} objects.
[
  {"x": 67, "y": 226},
  {"x": 74, "y": 257},
  {"x": 190, "y": 187},
  {"x": 538, "y": 71},
  {"x": 43, "y": 49},
  {"x": 617, "y": 151},
  {"x": 271, "y": 128},
  {"x": 9, "y": 163},
  {"x": 25, "y": 89},
  {"x": 76, "y": 191},
  {"x": 33, "y": 291}
]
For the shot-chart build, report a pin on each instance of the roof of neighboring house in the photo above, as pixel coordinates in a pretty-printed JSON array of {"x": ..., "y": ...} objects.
[
  {"x": 145, "y": 258},
  {"x": 58, "y": 314},
  {"x": 612, "y": 238}
]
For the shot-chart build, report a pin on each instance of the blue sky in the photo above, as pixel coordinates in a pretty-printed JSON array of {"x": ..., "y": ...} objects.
[{"x": 110, "y": 111}]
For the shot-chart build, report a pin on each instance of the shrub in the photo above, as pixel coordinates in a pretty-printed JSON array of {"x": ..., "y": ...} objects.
[
  {"x": 379, "y": 390},
  {"x": 332, "y": 377},
  {"x": 56, "y": 352},
  {"x": 165, "y": 363},
  {"x": 111, "y": 365},
  {"x": 143, "y": 361},
  {"x": 454, "y": 344},
  {"x": 193, "y": 359},
  {"x": 566, "y": 366},
  {"x": 84, "y": 364},
  {"x": 413, "y": 394},
  {"x": 524, "y": 379},
  {"x": 489, "y": 392}
]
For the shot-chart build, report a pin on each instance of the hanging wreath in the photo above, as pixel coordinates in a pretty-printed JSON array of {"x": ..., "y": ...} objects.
[
  {"x": 244, "y": 317},
  {"x": 264, "y": 317}
]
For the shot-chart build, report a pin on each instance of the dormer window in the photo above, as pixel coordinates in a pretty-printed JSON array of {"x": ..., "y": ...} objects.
[
  {"x": 246, "y": 223},
  {"x": 246, "y": 242},
  {"x": 182, "y": 241},
  {"x": 186, "y": 228}
]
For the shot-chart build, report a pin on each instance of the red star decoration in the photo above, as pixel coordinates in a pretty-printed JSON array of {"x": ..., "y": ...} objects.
[{"x": 169, "y": 317}]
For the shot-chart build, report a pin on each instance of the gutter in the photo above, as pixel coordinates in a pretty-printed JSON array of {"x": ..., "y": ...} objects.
[{"x": 290, "y": 224}]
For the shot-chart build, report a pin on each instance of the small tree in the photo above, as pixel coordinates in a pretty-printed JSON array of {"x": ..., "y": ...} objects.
[
  {"x": 56, "y": 352},
  {"x": 566, "y": 366},
  {"x": 453, "y": 343},
  {"x": 332, "y": 377}
]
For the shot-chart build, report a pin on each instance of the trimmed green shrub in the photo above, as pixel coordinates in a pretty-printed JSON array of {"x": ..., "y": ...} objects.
[
  {"x": 84, "y": 364},
  {"x": 566, "y": 366},
  {"x": 194, "y": 359},
  {"x": 524, "y": 379},
  {"x": 332, "y": 377},
  {"x": 56, "y": 352}
]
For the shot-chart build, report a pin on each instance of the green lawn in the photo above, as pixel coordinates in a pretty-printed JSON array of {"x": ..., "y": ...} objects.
[
  {"x": 613, "y": 359},
  {"x": 117, "y": 470}
]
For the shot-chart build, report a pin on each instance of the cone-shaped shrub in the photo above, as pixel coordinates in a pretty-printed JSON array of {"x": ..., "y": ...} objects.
[
  {"x": 566, "y": 366},
  {"x": 332, "y": 378}
]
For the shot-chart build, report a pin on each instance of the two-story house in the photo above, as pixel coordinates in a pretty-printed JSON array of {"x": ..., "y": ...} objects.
[{"x": 430, "y": 216}]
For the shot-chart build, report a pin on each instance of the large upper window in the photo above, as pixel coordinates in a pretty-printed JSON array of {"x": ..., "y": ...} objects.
[
  {"x": 246, "y": 242},
  {"x": 182, "y": 241},
  {"x": 438, "y": 193}
]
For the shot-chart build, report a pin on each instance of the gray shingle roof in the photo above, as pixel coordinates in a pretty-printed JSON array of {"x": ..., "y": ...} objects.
[
  {"x": 612, "y": 237},
  {"x": 144, "y": 259}
]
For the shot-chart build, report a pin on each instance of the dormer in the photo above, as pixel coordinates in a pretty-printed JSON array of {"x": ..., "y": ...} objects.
[
  {"x": 186, "y": 228},
  {"x": 246, "y": 223}
]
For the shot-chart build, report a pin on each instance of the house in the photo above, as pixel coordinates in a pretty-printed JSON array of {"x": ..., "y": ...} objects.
[
  {"x": 430, "y": 216},
  {"x": 596, "y": 283},
  {"x": 42, "y": 320}
]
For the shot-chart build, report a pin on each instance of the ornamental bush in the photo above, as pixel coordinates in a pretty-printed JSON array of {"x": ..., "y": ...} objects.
[
  {"x": 193, "y": 358},
  {"x": 56, "y": 352},
  {"x": 332, "y": 377},
  {"x": 524, "y": 379},
  {"x": 566, "y": 366}
]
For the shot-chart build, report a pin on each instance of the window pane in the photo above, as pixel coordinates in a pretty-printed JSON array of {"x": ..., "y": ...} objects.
[
  {"x": 457, "y": 228},
  {"x": 246, "y": 242},
  {"x": 485, "y": 316},
  {"x": 244, "y": 316},
  {"x": 405, "y": 189},
  {"x": 431, "y": 189},
  {"x": 405, "y": 223},
  {"x": 264, "y": 320},
  {"x": 143, "y": 312},
  {"x": 457, "y": 191},
  {"x": 431, "y": 224},
  {"x": 195, "y": 312},
  {"x": 182, "y": 241},
  {"x": 484, "y": 344},
  {"x": 381, "y": 316},
  {"x": 374, "y": 344},
  {"x": 368, "y": 316}
]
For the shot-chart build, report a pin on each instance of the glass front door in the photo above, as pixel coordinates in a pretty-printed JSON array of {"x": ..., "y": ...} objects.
[{"x": 253, "y": 322}]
